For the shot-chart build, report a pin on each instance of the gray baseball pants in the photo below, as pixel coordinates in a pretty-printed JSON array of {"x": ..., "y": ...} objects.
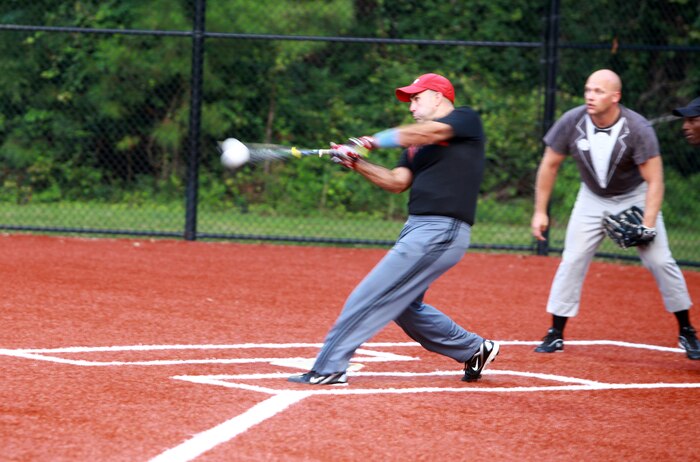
[
  {"x": 584, "y": 235},
  {"x": 393, "y": 291}
]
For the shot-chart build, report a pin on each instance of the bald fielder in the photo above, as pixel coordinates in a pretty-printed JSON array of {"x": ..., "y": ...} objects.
[
  {"x": 618, "y": 158},
  {"x": 443, "y": 166}
]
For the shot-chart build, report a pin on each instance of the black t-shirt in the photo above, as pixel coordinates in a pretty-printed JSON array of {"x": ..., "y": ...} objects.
[{"x": 447, "y": 176}]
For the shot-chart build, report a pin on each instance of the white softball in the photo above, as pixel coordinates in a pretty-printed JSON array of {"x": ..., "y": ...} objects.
[{"x": 234, "y": 153}]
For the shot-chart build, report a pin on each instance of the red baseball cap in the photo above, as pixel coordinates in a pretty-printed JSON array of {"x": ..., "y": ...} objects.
[{"x": 433, "y": 82}]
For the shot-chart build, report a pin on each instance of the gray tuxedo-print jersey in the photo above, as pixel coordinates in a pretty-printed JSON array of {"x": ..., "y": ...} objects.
[{"x": 634, "y": 143}]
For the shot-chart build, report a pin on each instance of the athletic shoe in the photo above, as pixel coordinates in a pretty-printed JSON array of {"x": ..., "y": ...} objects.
[
  {"x": 552, "y": 342},
  {"x": 486, "y": 353},
  {"x": 689, "y": 342},
  {"x": 314, "y": 378}
]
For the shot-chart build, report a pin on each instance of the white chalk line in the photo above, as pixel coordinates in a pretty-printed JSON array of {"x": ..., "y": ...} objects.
[
  {"x": 172, "y": 362},
  {"x": 233, "y": 381},
  {"x": 239, "y": 346},
  {"x": 47, "y": 354},
  {"x": 234, "y": 346},
  {"x": 225, "y": 379},
  {"x": 576, "y": 384},
  {"x": 282, "y": 399},
  {"x": 226, "y": 431},
  {"x": 365, "y": 355}
]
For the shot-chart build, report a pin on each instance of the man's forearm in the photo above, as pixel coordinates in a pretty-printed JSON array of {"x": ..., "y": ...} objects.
[
  {"x": 417, "y": 134},
  {"x": 654, "y": 199},
  {"x": 386, "y": 179},
  {"x": 543, "y": 188}
]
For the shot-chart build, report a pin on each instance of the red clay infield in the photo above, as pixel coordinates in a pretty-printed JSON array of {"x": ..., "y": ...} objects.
[{"x": 137, "y": 350}]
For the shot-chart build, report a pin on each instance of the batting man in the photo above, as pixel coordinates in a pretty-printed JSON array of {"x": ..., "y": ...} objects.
[
  {"x": 618, "y": 159},
  {"x": 443, "y": 166}
]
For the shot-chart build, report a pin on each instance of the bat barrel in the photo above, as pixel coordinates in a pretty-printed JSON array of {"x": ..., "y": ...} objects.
[{"x": 262, "y": 152}]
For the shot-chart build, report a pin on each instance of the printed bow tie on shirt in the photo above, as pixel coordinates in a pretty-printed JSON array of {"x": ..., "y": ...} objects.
[{"x": 597, "y": 130}]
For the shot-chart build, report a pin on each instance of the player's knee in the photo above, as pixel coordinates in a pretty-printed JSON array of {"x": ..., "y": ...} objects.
[
  {"x": 657, "y": 261},
  {"x": 575, "y": 261}
]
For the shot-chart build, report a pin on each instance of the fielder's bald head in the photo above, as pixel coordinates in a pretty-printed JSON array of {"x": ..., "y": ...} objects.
[
  {"x": 607, "y": 79},
  {"x": 602, "y": 94}
]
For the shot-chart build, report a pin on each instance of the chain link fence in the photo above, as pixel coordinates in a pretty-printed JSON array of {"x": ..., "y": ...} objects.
[{"x": 111, "y": 111}]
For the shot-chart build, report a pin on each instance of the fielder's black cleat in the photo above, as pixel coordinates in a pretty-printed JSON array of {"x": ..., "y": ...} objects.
[
  {"x": 314, "y": 378},
  {"x": 689, "y": 342},
  {"x": 552, "y": 342},
  {"x": 486, "y": 353}
]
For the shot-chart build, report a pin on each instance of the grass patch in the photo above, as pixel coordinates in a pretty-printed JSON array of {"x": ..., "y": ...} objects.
[{"x": 170, "y": 219}]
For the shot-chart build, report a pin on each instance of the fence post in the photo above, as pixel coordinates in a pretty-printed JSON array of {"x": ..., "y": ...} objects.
[
  {"x": 551, "y": 43},
  {"x": 195, "y": 121}
]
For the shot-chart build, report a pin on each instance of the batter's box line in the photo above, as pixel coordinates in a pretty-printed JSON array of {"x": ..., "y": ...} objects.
[
  {"x": 241, "y": 346},
  {"x": 233, "y": 380},
  {"x": 617, "y": 343},
  {"x": 280, "y": 400},
  {"x": 364, "y": 355},
  {"x": 572, "y": 383},
  {"x": 45, "y": 354}
]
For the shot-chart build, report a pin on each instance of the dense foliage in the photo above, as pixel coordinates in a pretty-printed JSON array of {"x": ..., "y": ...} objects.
[{"x": 105, "y": 117}]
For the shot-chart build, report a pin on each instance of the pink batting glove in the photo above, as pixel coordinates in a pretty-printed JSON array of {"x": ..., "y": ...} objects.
[
  {"x": 366, "y": 142},
  {"x": 345, "y": 155}
]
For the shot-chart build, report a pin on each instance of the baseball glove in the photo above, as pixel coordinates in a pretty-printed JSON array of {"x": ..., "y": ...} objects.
[{"x": 626, "y": 228}]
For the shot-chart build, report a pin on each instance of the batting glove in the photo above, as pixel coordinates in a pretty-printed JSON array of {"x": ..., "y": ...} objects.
[
  {"x": 345, "y": 155},
  {"x": 366, "y": 142}
]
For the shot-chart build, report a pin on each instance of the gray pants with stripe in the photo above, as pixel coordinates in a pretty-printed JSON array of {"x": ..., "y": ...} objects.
[
  {"x": 393, "y": 291},
  {"x": 584, "y": 235}
]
